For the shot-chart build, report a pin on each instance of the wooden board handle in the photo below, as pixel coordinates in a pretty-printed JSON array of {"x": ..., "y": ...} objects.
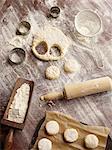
[{"x": 9, "y": 140}]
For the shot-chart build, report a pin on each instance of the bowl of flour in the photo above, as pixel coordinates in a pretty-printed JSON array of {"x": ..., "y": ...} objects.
[{"x": 88, "y": 23}]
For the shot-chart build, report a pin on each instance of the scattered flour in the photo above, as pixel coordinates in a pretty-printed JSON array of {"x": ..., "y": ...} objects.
[
  {"x": 51, "y": 3},
  {"x": 17, "y": 41},
  {"x": 88, "y": 28},
  {"x": 17, "y": 110}
]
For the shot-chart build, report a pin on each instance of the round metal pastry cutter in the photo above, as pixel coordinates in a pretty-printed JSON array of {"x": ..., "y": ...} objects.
[
  {"x": 54, "y": 12},
  {"x": 17, "y": 56},
  {"x": 23, "y": 28}
]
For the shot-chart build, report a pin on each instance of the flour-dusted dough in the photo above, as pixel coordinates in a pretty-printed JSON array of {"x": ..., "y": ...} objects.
[
  {"x": 91, "y": 141},
  {"x": 44, "y": 144},
  {"x": 52, "y": 127},
  {"x": 53, "y": 37},
  {"x": 70, "y": 135},
  {"x": 71, "y": 66},
  {"x": 52, "y": 72}
]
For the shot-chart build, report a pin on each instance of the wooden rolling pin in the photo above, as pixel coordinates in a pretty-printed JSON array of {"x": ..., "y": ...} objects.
[{"x": 81, "y": 89}]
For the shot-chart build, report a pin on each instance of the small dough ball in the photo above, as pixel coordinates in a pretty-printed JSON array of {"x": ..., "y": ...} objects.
[
  {"x": 71, "y": 135},
  {"x": 52, "y": 72},
  {"x": 91, "y": 141},
  {"x": 52, "y": 127},
  {"x": 71, "y": 66},
  {"x": 44, "y": 144}
]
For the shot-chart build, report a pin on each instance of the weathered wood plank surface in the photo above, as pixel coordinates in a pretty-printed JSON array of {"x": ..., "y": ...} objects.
[{"x": 94, "y": 110}]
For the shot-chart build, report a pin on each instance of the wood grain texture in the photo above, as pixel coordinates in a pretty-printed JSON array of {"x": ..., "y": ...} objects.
[{"x": 95, "y": 60}]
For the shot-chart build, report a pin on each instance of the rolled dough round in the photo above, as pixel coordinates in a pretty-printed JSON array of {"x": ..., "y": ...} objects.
[
  {"x": 44, "y": 144},
  {"x": 52, "y": 127},
  {"x": 71, "y": 135},
  {"x": 52, "y": 36},
  {"x": 71, "y": 66},
  {"x": 52, "y": 72},
  {"x": 91, "y": 141}
]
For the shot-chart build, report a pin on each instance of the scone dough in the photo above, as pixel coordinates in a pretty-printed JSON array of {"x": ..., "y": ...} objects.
[
  {"x": 70, "y": 135},
  {"x": 91, "y": 141},
  {"x": 71, "y": 66},
  {"x": 52, "y": 127},
  {"x": 44, "y": 144},
  {"x": 52, "y": 72},
  {"x": 52, "y": 36}
]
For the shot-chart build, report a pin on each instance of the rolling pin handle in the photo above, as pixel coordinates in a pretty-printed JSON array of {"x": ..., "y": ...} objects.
[
  {"x": 9, "y": 140},
  {"x": 52, "y": 96}
]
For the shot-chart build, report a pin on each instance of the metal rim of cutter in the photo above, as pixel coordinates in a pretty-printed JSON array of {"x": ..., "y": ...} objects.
[
  {"x": 18, "y": 51},
  {"x": 55, "y": 11},
  {"x": 26, "y": 25}
]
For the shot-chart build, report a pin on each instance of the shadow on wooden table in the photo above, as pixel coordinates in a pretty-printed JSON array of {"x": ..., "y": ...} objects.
[{"x": 3, "y": 132}]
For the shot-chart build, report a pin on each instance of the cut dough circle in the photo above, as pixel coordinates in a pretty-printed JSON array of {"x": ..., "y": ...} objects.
[
  {"x": 71, "y": 66},
  {"x": 70, "y": 135},
  {"x": 44, "y": 144},
  {"x": 91, "y": 141},
  {"x": 52, "y": 72},
  {"x": 52, "y": 127}
]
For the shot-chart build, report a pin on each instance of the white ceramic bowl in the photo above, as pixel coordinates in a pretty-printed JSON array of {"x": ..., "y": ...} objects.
[{"x": 88, "y": 23}]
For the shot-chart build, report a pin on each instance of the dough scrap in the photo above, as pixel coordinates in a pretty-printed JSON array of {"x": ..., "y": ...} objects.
[
  {"x": 71, "y": 66},
  {"x": 70, "y": 135},
  {"x": 53, "y": 37},
  {"x": 44, "y": 144},
  {"x": 52, "y": 72},
  {"x": 91, "y": 141},
  {"x": 52, "y": 127},
  {"x": 17, "y": 41}
]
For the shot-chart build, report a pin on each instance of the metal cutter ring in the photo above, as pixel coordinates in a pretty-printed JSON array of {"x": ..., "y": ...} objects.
[
  {"x": 23, "y": 28},
  {"x": 55, "y": 11},
  {"x": 17, "y": 56}
]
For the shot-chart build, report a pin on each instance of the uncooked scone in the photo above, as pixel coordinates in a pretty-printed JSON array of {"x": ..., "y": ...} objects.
[
  {"x": 91, "y": 141},
  {"x": 70, "y": 135},
  {"x": 71, "y": 66},
  {"x": 52, "y": 127},
  {"x": 52, "y": 72},
  {"x": 44, "y": 144}
]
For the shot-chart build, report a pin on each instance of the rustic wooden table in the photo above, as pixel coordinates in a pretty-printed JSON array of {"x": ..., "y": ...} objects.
[{"x": 95, "y": 62}]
